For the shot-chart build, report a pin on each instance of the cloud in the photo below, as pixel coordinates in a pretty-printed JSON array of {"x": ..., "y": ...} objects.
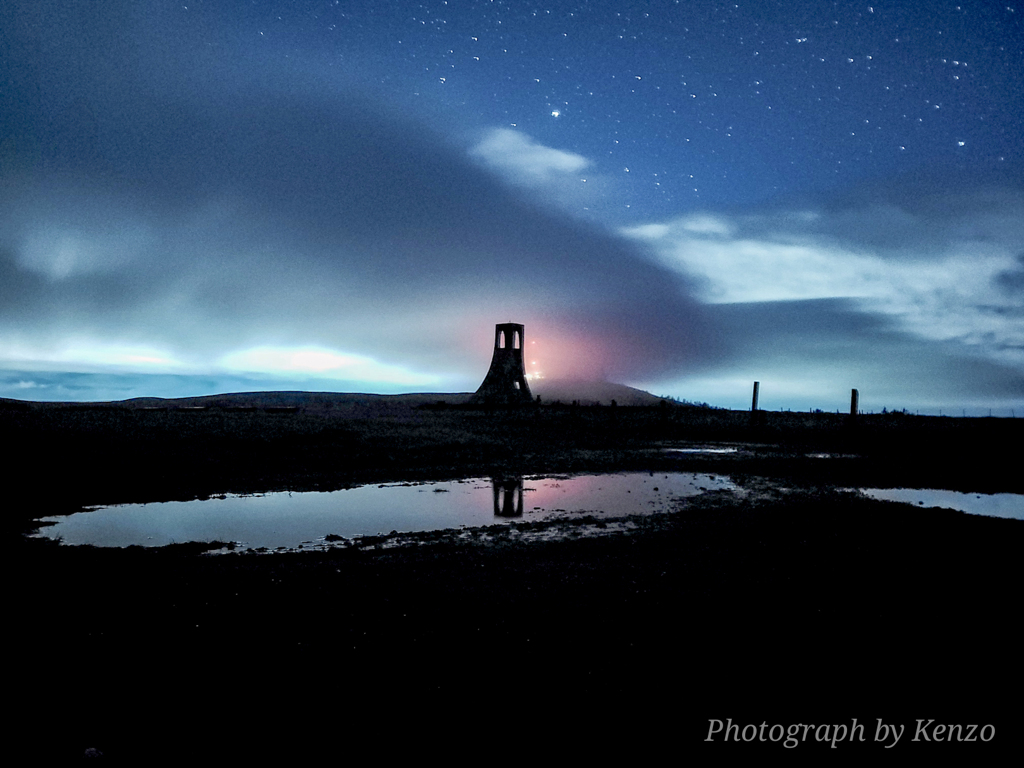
[
  {"x": 321, "y": 363},
  {"x": 1012, "y": 280},
  {"x": 554, "y": 177},
  {"x": 935, "y": 281},
  {"x": 174, "y": 222},
  {"x": 84, "y": 353},
  {"x": 240, "y": 224},
  {"x": 810, "y": 353},
  {"x": 524, "y": 161}
]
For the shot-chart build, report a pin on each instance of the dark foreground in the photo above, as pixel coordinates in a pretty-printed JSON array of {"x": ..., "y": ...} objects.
[{"x": 796, "y": 605}]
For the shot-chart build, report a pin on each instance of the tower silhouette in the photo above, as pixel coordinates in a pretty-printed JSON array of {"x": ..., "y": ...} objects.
[{"x": 505, "y": 381}]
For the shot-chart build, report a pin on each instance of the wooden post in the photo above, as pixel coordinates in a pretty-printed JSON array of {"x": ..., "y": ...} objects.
[
  {"x": 854, "y": 396},
  {"x": 753, "y": 404}
]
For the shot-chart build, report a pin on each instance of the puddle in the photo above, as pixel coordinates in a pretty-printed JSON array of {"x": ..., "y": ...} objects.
[
  {"x": 991, "y": 504},
  {"x": 700, "y": 450},
  {"x": 290, "y": 520}
]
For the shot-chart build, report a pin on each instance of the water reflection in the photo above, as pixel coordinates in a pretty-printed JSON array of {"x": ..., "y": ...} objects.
[
  {"x": 290, "y": 520},
  {"x": 991, "y": 504},
  {"x": 508, "y": 497},
  {"x": 701, "y": 450}
]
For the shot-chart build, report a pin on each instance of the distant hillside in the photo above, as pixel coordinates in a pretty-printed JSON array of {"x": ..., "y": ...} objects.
[
  {"x": 565, "y": 391},
  {"x": 305, "y": 400},
  {"x": 590, "y": 392}
]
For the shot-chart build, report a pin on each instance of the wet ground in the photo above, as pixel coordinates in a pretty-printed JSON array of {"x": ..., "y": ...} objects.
[
  {"x": 795, "y": 603},
  {"x": 287, "y": 520}
]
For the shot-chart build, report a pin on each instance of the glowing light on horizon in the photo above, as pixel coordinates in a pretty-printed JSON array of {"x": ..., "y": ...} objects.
[
  {"x": 90, "y": 353},
  {"x": 322, "y": 363}
]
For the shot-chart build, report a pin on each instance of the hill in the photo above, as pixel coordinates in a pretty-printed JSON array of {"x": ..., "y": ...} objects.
[
  {"x": 565, "y": 391},
  {"x": 591, "y": 392}
]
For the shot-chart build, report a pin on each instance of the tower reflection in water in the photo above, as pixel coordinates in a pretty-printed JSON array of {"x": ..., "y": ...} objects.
[{"x": 508, "y": 496}]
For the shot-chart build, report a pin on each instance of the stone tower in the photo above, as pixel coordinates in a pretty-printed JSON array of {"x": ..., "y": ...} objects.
[{"x": 505, "y": 382}]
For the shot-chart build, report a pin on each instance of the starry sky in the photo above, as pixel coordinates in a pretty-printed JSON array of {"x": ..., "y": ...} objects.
[{"x": 208, "y": 196}]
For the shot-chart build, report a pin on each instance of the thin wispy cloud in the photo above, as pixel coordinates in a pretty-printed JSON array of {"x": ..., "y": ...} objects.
[
  {"x": 555, "y": 176},
  {"x": 525, "y": 161},
  {"x": 938, "y": 286}
]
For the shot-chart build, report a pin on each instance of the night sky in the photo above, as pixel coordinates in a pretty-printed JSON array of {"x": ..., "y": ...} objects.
[{"x": 214, "y": 196}]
